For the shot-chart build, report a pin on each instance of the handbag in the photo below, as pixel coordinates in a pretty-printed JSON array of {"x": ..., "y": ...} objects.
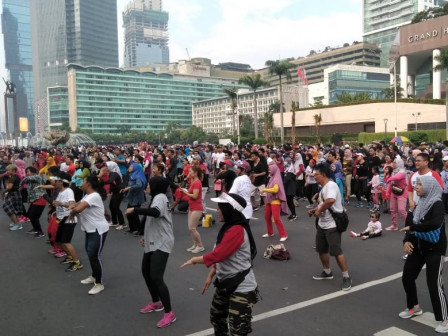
[
  {"x": 397, "y": 190},
  {"x": 341, "y": 220},
  {"x": 229, "y": 285},
  {"x": 429, "y": 236}
]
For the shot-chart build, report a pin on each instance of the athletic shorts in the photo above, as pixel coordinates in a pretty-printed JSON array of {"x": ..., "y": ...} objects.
[
  {"x": 328, "y": 241},
  {"x": 65, "y": 232}
]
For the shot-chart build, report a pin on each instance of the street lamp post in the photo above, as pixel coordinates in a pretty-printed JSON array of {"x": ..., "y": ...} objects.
[
  {"x": 385, "y": 130},
  {"x": 395, "y": 97},
  {"x": 416, "y": 115},
  {"x": 238, "y": 117},
  {"x": 92, "y": 125}
]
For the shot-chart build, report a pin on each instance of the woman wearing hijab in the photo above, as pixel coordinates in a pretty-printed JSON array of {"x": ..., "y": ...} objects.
[
  {"x": 275, "y": 203},
  {"x": 397, "y": 200},
  {"x": 136, "y": 195},
  {"x": 50, "y": 162},
  {"x": 158, "y": 242},
  {"x": 426, "y": 221},
  {"x": 231, "y": 261}
]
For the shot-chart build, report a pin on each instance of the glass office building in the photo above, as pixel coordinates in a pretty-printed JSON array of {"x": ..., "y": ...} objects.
[
  {"x": 112, "y": 99},
  {"x": 71, "y": 31},
  {"x": 355, "y": 79},
  {"x": 18, "y": 60}
]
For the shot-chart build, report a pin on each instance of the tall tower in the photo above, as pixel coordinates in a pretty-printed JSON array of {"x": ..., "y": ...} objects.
[
  {"x": 17, "y": 45},
  {"x": 71, "y": 31},
  {"x": 381, "y": 19},
  {"x": 146, "y": 33}
]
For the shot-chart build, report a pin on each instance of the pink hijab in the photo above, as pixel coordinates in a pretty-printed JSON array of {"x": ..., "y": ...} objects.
[
  {"x": 276, "y": 178},
  {"x": 20, "y": 164}
]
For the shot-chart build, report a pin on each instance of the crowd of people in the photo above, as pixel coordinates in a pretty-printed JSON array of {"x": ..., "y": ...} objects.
[{"x": 75, "y": 182}]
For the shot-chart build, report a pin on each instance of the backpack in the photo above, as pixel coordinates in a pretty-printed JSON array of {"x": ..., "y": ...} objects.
[{"x": 277, "y": 252}]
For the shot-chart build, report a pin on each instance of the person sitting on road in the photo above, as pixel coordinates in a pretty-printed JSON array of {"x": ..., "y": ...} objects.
[{"x": 374, "y": 228}]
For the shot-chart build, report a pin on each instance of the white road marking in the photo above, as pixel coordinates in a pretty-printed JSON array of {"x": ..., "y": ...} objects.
[
  {"x": 317, "y": 300},
  {"x": 393, "y": 331},
  {"x": 426, "y": 319}
]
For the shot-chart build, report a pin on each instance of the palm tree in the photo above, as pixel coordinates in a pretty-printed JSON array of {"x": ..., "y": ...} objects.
[
  {"x": 231, "y": 92},
  {"x": 442, "y": 59},
  {"x": 268, "y": 120},
  {"x": 294, "y": 108},
  {"x": 281, "y": 69},
  {"x": 317, "y": 122},
  {"x": 254, "y": 82}
]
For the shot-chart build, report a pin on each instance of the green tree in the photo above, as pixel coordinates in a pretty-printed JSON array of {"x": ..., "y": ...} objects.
[
  {"x": 442, "y": 59},
  {"x": 280, "y": 68},
  {"x": 344, "y": 98},
  {"x": 247, "y": 126},
  {"x": 268, "y": 121},
  {"x": 430, "y": 13},
  {"x": 232, "y": 94},
  {"x": 294, "y": 108},
  {"x": 389, "y": 93},
  {"x": 254, "y": 82}
]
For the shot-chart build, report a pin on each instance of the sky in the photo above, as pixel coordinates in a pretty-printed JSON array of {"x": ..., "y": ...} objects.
[{"x": 254, "y": 31}]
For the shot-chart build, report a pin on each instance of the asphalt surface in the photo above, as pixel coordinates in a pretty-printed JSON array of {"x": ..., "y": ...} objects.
[{"x": 37, "y": 296}]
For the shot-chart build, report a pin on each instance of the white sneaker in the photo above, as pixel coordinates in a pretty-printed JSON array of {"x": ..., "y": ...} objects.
[
  {"x": 266, "y": 235},
  {"x": 88, "y": 281},
  {"x": 191, "y": 248},
  {"x": 96, "y": 289},
  {"x": 282, "y": 239},
  {"x": 198, "y": 249},
  {"x": 310, "y": 206}
]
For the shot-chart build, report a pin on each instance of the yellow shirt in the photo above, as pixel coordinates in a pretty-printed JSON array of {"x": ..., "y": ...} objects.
[{"x": 273, "y": 190}]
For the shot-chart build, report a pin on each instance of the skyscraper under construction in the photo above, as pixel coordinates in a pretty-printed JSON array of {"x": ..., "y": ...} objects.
[{"x": 146, "y": 33}]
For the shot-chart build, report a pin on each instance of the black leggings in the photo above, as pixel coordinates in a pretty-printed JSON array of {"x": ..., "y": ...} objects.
[
  {"x": 291, "y": 206},
  {"x": 434, "y": 268},
  {"x": 34, "y": 213},
  {"x": 114, "y": 206},
  {"x": 133, "y": 219},
  {"x": 153, "y": 270}
]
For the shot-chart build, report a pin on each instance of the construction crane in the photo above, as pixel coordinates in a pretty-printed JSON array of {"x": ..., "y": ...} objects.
[{"x": 188, "y": 54}]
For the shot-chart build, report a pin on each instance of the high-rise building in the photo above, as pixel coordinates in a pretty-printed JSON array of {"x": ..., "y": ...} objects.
[
  {"x": 18, "y": 61},
  {"x": 146, "y": 33},
  {"x": 71, "y": 31},
  {"x": 381, "y": 19}
]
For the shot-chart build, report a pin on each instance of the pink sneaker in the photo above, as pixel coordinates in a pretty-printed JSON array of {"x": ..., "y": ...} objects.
[
  {"x": 60, "y": 254},
  {"x": 353, "y": 234},
  {"x": 168, "y": 318},
  {"x": 54, "y": 250},
  {"x": 153, "y": 306}
]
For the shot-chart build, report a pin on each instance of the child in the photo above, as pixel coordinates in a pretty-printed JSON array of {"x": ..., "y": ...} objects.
[
  {"x": 375, "y": 190},
  {"x": 374, "y": 228}
]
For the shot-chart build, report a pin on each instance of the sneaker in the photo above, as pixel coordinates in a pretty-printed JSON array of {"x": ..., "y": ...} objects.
[
  {"x": 153, "y": 306},
  {"x": 54, "y": 250},
  {"x": 255, "y": 208},
  {"x": 112, "y": 224},
  {"x": 309, "y": 206},
  {"x": 67, "y": 260},
  {"x": 16, "y": 227},
  {"x": 368, "y": 206},
  {"x": 60, "y": 254},
  {"x": 292, "y": 218},
  {"x": 359, "y": 205},
  {"x": 405, "y": 257},
  {"x": 75, "y": 265},
  {"x": 282, "y": 239},
  {"x": 168, "y": 318},
  {"x": 121, "y": 227},
  {"x": 392, "y": 228},
  {"x": 364, "y": 237},
  {"x": 346, "y": 283},
  {"x": 411, "y": 312},
  {"x": 347, "y": 202},
  {"x": 32, "y": 231},
  {"x": 38, "y": 235},
  {"x": 198, "y": 249},
  {"x": 191, "y": 248},
  {"x": 266, "y": 235},
  {"x": 442, "y": 327},
  {"x": 323, "y": 276},
  {"x": 11, "y": 224},
  {"x": 97, "y": 288},
  {"x": 23, "y": 219},
  {"x": 89, "y": 280},
  {"x": 353, "y": 234}
]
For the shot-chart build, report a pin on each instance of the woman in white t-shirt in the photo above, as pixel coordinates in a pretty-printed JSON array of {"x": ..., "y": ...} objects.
[{"x": 90, "y": 212}]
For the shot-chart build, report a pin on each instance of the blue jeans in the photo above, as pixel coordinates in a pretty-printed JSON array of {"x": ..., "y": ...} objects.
[{"x": 94, "y": 246}]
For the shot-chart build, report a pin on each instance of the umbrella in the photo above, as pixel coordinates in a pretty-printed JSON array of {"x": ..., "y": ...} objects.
[{"x": 400, "y": 138}]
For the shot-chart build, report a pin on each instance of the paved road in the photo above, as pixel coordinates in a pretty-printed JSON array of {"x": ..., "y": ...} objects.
[{"x": 38, "y": 298}]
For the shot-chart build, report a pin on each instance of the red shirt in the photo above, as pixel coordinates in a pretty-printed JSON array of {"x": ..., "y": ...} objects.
[
  {"x": 71, "y": 169},
  {"x": 180, "y": 195},
  {"x": 230, "y": 243},
  {"x": 195, "y": 204}
]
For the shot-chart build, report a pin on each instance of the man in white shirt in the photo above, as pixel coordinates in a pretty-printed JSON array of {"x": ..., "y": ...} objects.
[
  {"x": 328, "y": 237},
  {"x": 243, "y": 186}
]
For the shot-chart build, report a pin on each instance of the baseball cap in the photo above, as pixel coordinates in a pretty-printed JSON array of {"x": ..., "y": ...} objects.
[
  {"x": 244, "y": 165},
  {"x": 236, "y": 201}
]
